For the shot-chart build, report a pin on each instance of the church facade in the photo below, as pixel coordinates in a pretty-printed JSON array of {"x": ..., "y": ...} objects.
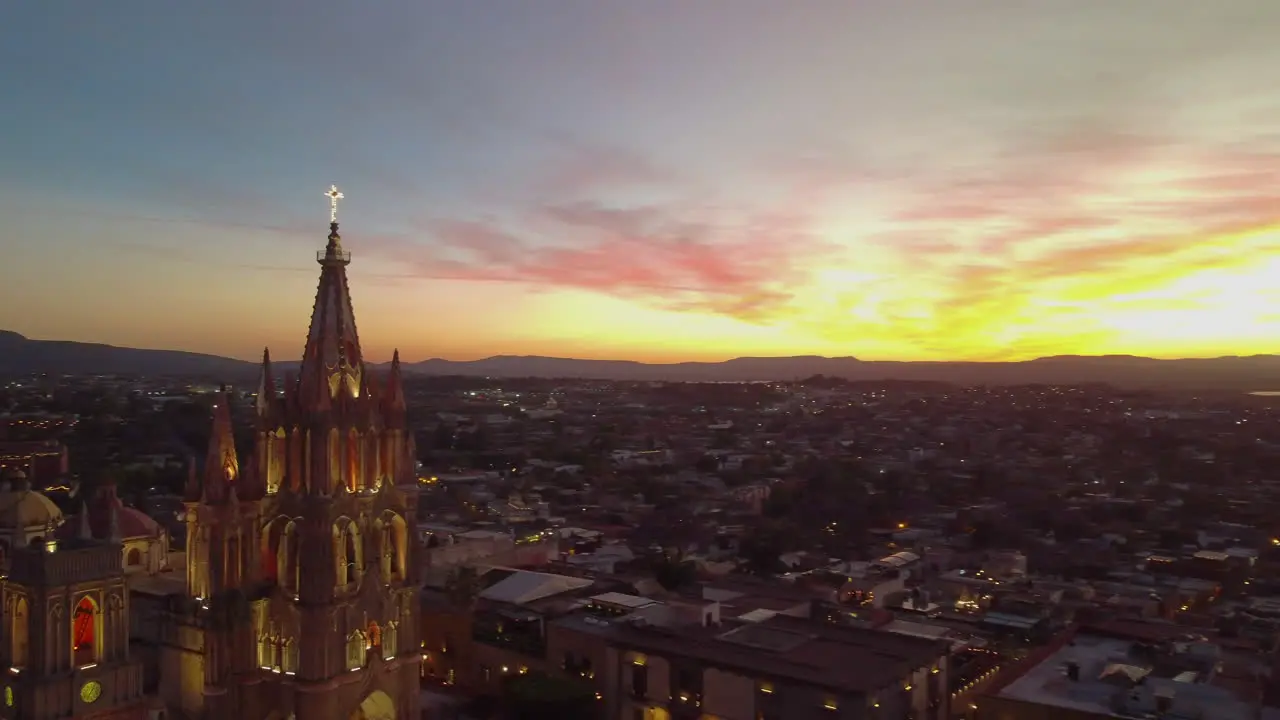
[{"x": 301, "y": 587}]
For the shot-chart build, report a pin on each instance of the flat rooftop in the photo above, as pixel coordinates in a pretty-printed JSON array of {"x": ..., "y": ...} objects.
[
  {"x": 622, "y": 600},
  {"x": 792, "y": 650},
  {"x": 1114, "y": 681}
]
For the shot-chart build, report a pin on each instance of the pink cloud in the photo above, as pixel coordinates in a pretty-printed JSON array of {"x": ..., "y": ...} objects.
[
  {"x": 1090, "y": 210},
  {"x": 656, "y": 255}
]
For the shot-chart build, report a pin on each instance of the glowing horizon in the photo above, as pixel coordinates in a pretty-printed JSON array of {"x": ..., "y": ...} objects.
[{"x": 974, "y": 183}]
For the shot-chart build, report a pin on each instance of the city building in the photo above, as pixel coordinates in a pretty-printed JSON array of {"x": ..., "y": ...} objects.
[
  {"x": 65, "y": 636},
  {"x": 299, "y": 596},
  {"x": 26, "y": 516},
  {"x": 42, "y": 461},
  {"x": 782, "y": 668},
  {"x": 144, "y": 545},
  {"x": 1094, "y": 674}
]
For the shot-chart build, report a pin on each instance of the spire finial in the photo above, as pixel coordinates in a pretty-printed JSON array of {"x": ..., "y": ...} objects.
[
  {"x": 334, "y": 196},
  {"x": 84, "y": 532},
  {"x": 113, "y": 522}
]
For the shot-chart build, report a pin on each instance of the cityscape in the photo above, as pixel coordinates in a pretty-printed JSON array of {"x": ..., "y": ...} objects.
[{"x": 770, "y": 487}]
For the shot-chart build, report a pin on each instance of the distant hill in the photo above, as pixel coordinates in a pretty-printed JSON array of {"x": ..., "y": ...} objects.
[
  {"x": 1258, "y": 372},
  {"x": 20, "y": 355}
]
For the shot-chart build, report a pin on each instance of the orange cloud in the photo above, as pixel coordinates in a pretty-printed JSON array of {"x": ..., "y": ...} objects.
[
  {"x": 646, "y": 254},
  {"x": 1096, "y": 244}
]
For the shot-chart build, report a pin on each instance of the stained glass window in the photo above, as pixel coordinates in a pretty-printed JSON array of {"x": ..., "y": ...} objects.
[{"x": 84, "y": 632}]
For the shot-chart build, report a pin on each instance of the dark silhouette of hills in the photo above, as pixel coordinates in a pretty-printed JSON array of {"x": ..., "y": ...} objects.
[
  {"x": 1258, "y": 372},
  {"x": 19, "y": 355}
]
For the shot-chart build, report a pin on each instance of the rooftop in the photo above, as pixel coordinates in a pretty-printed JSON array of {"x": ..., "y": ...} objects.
[
  {"x": 793, "y": 649},
  {"x": 1115, "y": 678},
  {"x": 523, "y": 586},
  {"x": 622, "y": 601}
]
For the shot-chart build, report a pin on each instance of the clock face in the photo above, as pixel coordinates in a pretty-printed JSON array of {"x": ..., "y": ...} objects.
[{"x": 91, "y": 691}]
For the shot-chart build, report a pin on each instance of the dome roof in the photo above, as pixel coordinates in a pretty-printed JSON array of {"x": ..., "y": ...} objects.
[
  {"x": 27, "y": 508},
  {"x": 132, "y": 523}
]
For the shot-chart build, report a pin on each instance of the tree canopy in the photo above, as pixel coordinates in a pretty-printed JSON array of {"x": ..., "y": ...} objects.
[{"x": 534, "y": 696}]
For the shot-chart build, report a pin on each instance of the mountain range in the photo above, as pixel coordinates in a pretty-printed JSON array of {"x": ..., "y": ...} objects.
[{"x": 20, "y": 355}]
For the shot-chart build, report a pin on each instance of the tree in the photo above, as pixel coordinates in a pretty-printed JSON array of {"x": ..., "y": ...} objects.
[
  {"x": 760, "y": 550},
  {"x": 462, "y": 586},
  {"x": 442, "y": 436},
  {"x": 534, "y": 696},
  {"x": 673, "y": 572},
  {"x": 707, "y": 464}
]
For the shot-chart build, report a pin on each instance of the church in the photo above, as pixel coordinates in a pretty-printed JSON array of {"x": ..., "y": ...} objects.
[{"x": 296, "y": 596}]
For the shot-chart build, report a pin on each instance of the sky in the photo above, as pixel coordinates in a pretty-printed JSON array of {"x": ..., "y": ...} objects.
[{"x": 662, "y": 180}]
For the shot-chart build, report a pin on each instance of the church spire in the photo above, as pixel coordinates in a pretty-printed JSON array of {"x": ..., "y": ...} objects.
[
  {"x": 221, "y": 466},
  {"x": 266, "y": 386},
  {"x": 113, "y": 522},
  {"x": 393, "y": 393},
  {"x": 83, "y": 531},
  {"x": 331, "y": 362}
]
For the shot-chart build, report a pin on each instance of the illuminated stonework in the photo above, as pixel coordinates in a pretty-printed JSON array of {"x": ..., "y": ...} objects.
[
  {"x": 91, "y": 691},
  {"x": 309, "y": 541},
  {"x": 65, "y": 634}
]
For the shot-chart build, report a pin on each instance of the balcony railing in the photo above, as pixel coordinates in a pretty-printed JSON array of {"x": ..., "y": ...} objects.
[{"x": 339, "y": 256}]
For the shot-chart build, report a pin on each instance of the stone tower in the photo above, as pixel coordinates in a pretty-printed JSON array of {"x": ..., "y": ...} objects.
[
  {"x": 301, "y": 577},
  {"x": 65, "y": 640}
]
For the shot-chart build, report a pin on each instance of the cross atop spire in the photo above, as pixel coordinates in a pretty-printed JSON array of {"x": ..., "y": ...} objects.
[
  {"x": 334, "y": 195},
  {"x": 331, "y": 360}
]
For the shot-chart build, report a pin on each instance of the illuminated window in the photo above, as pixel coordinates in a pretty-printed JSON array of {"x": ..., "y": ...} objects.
[
  {"x": 393, "y": 536},
  {"x": 267, "y": 652},
  {"x": 357, "y": 646},
  {"x": 85, "y": 632},
  {"x": 289, "y": 656},
  {"x": 286, "y": 561},
  {"x": 390, "y": 641},
  {"x": 347, "y": 550},
  {"x": 19, "y": 640}
]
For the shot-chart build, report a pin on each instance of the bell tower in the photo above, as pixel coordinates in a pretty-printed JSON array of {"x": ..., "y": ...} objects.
[
  {"x": 301, "y": 573},
  {"x": 64, "y": 646}
]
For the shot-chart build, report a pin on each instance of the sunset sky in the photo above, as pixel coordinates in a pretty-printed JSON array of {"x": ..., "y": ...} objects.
[{"x": 660, "y": 180}]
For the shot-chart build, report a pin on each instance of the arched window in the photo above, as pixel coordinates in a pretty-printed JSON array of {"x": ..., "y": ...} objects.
[
  {"x": 268, "y": 652},
  {"x": 335, "y": 460},
  {"x": 294, "y": 467},
  {"x": 356, "y": 648},
  {"x": 19, "y": 637},
  {"x": 289, "y": 653},
  {"x": 347, "y": 553},
  {"x": 393, "y": 535},
  {"x": 351, "y": 553},
  {"x": 86, "y": 632},
  {"x": 133, "y": 558},
  {"x": 375, "y": 635},
  {"x": 274, "y": 447},
  {"x": 390, "y": 640},
  {"x": 384, "y": 549},
  {"x": 354, "y": 480},
  {"x": 287, "y": 571},
  {"x": 270, "y": 549}
]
